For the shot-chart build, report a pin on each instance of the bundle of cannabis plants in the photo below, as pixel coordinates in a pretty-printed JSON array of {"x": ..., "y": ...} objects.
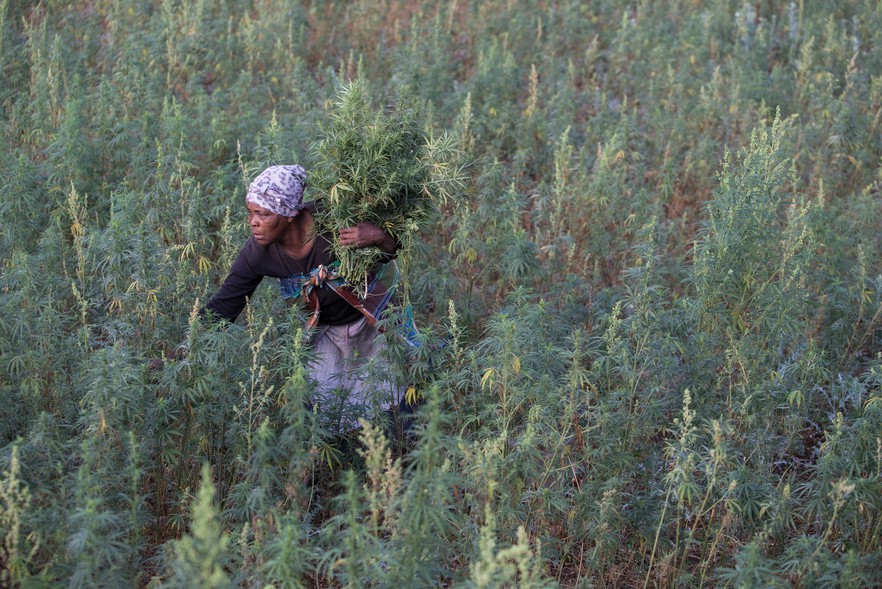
[{"x": 381, "y": 167}]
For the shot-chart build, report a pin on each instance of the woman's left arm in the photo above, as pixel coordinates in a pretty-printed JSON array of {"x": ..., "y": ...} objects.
[{"x": 367, "y": 234}]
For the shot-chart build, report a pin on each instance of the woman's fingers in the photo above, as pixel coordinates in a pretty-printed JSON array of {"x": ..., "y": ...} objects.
[
  {"x": 349, "y": 236},
  {"x": 361, "y": 235}
]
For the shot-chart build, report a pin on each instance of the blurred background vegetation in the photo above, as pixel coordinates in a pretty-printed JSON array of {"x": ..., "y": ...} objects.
[{"x": 660, "y": 299}]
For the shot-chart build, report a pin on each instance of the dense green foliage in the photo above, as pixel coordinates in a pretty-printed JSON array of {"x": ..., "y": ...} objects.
[
  {"x": 660, "y": 295},
  {"x": 379, "y": 167}
]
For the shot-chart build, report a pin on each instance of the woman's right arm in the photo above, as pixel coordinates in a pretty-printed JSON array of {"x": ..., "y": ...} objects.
[{"x": 240, "y": 284}]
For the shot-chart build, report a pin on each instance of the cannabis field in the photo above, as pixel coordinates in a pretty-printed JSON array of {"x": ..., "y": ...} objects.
[{"x": 650, "y": 324}]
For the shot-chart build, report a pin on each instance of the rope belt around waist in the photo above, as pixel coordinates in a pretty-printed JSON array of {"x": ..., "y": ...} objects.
[{"x": 325, "y": 276}]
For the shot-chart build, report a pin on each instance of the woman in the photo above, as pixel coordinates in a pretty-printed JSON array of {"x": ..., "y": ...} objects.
[{"x": 284, "y": 244}]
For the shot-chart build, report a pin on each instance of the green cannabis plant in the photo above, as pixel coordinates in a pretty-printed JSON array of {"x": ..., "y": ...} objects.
[
  {"x": 639, "y": 242},
  {"x": 380, "y": 167}
]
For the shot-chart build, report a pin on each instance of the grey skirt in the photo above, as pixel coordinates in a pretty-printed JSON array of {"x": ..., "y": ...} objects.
[{"x": 352, "y": 378}]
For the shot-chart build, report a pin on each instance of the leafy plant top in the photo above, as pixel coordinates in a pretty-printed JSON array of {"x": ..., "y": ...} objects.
[{"x": 381, "y": 167}]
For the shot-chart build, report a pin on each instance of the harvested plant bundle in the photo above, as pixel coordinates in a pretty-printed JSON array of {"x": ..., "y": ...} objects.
[{"x": 380, "y": 167}]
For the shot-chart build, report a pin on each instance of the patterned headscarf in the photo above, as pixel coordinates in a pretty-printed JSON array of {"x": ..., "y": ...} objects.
[{"x": 279, "y": 189}]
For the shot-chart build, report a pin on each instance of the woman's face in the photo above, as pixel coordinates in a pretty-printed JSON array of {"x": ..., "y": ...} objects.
[{"x": 266, "y": 226}]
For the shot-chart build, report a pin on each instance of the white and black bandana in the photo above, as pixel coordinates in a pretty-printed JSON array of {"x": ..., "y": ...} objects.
[{"x": 279, "y": 189}]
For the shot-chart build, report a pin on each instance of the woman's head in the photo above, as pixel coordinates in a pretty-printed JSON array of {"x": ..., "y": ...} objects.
[
  {"x": 266, "y": 226},
  {"x": 274, "y": 198},
  {"x": 278, "y": 189}
]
